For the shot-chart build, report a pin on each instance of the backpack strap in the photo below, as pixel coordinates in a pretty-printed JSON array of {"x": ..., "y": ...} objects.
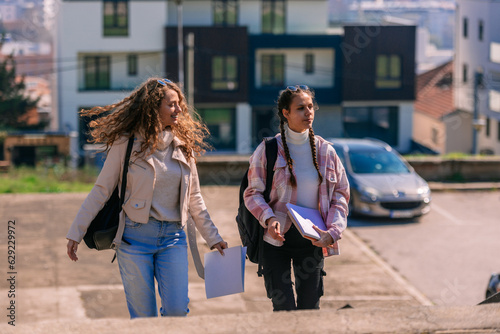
[
  {"x": 125, "y": 170},
  {"x": 124, "y": 178},
  {"x": 271, "y": 156}
]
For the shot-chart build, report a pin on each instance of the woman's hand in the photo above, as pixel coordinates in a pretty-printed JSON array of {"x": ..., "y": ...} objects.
[
  {"x": 220, "y": 246},
  {"x": 273, "y": 227},
  {"x": 72, "y": 248},
  {"x": 325, "y": 239}
]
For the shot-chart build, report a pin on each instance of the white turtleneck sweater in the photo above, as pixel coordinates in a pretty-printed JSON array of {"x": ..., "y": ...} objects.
[
  {"x": 305, "y": 172},
  {"x": 166, "y": 193}
]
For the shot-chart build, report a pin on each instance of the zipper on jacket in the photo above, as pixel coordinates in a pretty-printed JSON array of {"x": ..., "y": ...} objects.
[{"x": 131, "y": 162}]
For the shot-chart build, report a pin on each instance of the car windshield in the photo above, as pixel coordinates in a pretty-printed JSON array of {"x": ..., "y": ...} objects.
[{"x": 378, "y": 162}]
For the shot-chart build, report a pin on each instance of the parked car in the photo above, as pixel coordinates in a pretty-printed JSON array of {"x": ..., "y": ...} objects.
[{"x": 382, "y": 183}]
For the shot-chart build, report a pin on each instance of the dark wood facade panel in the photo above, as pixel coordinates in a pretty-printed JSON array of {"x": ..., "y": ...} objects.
[
  {"x": 359, "y": 50},
  {"x": 211, "y": 41}
]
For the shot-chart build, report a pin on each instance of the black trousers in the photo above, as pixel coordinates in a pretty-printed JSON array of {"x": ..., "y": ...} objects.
[{"x": 307, "y": 261}]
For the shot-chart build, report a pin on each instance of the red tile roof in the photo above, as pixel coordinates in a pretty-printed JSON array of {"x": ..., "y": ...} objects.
[{"x": 435, "y": 91}]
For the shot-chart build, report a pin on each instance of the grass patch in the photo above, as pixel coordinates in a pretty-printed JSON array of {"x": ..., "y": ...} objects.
[{"x": 56, "y": 179}]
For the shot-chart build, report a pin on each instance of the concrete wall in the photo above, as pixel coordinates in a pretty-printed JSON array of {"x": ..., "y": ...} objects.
[
  {"x": 466, "y": 169},
  {"x": 425, "y": 128},
  {"x": 224, "y": 170},
  {"x": 458, "y": 132}
]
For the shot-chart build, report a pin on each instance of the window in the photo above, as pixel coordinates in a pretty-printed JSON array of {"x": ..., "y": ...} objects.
[
  {"x": 224, "y": 73},
  {"x": 495, "y": 52},
  {"x": 273, "y": 70},
  {"x": 375, "y": 122},
  {"x": 465, "y": 31},
  {"x": 225, "y": 12},
  {"x": 480, "y": 31},
  {"x": 221, "y": 124},
  {"x": 494, "y": 99},
  {"x": 488, "y": 124},
  {"x": 97, "y": 72},
  {"x": 465, "y": 71},
  {"x": 132, "y": 63},
  {"x": 115, "y": 20},
  {"x": 434, "y": 135},
  {"x": 273, "y": 16},
  {"x": 309, "y": 68},
  {"x": 388, "y": 71}
]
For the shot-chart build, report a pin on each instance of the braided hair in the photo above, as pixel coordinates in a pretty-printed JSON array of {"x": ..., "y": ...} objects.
[{"x": 284, "y": 101}]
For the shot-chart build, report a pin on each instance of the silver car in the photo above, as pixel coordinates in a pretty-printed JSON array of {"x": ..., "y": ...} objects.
[{"x": 382, "y": 183}]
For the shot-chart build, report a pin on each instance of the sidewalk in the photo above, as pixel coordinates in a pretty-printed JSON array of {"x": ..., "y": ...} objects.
[
  {"x": 55, "y": 295},
  {"x": 452, "y": 186}
]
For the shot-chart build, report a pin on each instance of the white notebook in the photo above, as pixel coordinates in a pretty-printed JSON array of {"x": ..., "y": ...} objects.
[{"x": 304, "y": 219}]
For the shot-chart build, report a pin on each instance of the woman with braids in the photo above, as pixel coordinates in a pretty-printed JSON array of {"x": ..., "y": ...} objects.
[
  {"x": 162, "y": 191},
  {"x": 307, "y": 173}
]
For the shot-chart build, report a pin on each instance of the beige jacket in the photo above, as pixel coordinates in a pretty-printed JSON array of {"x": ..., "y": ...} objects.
[{"x": 139, "y": 192}]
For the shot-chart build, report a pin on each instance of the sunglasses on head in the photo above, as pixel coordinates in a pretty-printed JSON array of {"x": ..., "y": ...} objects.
[
  {"x": 164, "y": 81},
  {"x": 296, "y": 87}
]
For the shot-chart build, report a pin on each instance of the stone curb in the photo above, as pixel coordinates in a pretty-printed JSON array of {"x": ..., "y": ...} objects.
[{"x": 474, "y": 186}]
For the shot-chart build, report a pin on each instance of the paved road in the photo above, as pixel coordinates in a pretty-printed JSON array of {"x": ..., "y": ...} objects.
[
  {"x": 54, "y": 295},
  {"x": 449, "y": 254},
  {"x": 49, "y": 287}
]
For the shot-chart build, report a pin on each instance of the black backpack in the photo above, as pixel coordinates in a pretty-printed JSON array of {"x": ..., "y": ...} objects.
[{"x": 251, "y": 232}]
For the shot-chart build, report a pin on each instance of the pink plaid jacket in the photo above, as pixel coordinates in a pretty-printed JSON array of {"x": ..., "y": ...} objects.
[{"x": 333, "y": 191}]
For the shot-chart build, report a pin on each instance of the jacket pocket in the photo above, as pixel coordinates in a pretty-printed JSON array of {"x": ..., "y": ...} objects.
[
  {"x": 331, "y": 176},
  {"x": 137, "y": 203},
  {"x": 280, "y": 177},
  {"x": 331, "y": 181}
]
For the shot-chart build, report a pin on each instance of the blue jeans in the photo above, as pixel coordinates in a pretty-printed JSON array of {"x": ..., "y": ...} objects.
[{"x": 154, "y": 250}]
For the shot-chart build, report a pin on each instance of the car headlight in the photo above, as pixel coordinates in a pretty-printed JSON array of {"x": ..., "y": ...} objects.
[
  {"x": 424, "y": 191},
  {"x": 369, "y": 193}
]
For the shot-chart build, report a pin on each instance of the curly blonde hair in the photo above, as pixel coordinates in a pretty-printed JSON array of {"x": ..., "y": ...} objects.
[{"x": 139, "y": 113}]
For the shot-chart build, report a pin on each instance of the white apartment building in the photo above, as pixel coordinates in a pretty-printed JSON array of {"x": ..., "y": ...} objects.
[
  {"x": 477, "y": 48},
  {"x": 245, "y": 52},
  {"x": 100, "y": 62},
  {"x": 105, "y": 48}
]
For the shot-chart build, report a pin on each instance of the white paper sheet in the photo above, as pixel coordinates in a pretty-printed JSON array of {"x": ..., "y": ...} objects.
[{"x": 225, "y": 275}]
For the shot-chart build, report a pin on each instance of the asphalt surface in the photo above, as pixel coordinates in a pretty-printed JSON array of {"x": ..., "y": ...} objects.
[
  {"x": 450, "y": 253},
  {"x": 363, "y": 294}
]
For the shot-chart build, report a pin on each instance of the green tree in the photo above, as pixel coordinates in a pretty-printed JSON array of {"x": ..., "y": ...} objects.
[{"x": 14, "y": 103}]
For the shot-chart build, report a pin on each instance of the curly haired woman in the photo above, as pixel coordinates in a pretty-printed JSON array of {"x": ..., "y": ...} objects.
[
  {"x": 162, "y": 191},
  {"x": 308, "y": 173}
]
